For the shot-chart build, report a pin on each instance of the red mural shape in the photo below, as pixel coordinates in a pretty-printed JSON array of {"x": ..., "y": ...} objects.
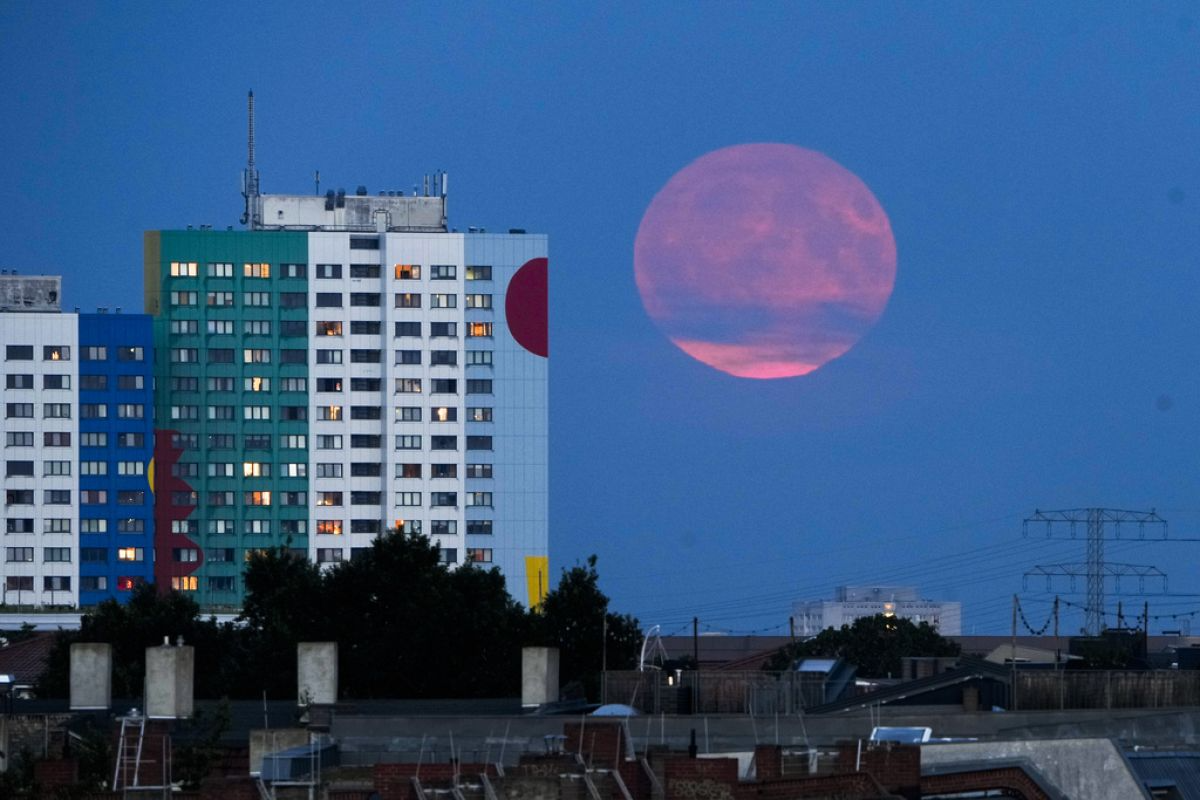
[
  {"x": 166, "y": 484},
  {"x": 526, "y": 306}
]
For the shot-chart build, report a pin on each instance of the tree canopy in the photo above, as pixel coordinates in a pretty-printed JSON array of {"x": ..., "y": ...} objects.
[
  {"x": 874, "y": 644},
  {"x": 406, "y": 626}
]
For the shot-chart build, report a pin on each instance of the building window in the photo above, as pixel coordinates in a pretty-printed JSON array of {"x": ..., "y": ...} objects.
[
  {"x": 256, "y": 356},
  {"x": 329, "y": 527},
  {"x": 251, "y": 327},
  {"x": 364, "y": 299},
  {"x": 256, "y": 412},
  {"x": 23, "y": 439},
  {"x": 408, "y": 272},
  {"x": 408, "y": 329},
  {"x": 293, "y": 356},
  {"x": 443, "y": 470},
  {"x": 409, "y": 470},
  {"x": 92, "y": 353},
  {"x": 482, "y": 301},
  {"x": 257, "y": 498},
  {"x": 15, "y": 381},
  {"x": 219, "y": 298},
  {"x": 408, "y": 498},
  {"x": 294, "y": 270},
  {"x": 56, "y": 352},
  {"x": 56, "y": 381},
  {"x": 365, "y": 356},
  {"x": 19, "y": 525},
  {"x": 330, "y": 413},
  {"x": 131, "y": 353},
  {"x": 93, "y": 526},
  {"x": 444, "y": 386},
  {"x": 131, "y": 411},
  {"x": 18, "y": 410},
  {"x": 329, "y": 356},
  {"x": 448, "y": 555},
  {"x": 131, "y": 497},
  {"x": 293, "y": 469},
  {"x": 184, "y": 355},
  {"x": 442, "y": 272},
  {"x": 479, "y": 470},
  {"x": 18, "y": 555},
  {"x": 185, "y": 583},
  {"x": 130, "y": 383},
  {"x": 443, "y": 527},
  {"x": 364, "y": 270},
  {"x": 223, "y": 413},
  {"x": 85, "y": 440},
  {"x": 403, "y": 386},
  {"x": 443, "y": 358},
  {"x": 408, "y": 442},
  {"x": 329, "y": 555},
  {"x": 56, "y": 497},
  {"x": 219, "y": 270},
  {"x": 479, "y": 499},
  {"x": 327, "y": 441},
  {"x": 443, "y": 499},
  {"x": 408, "y": 357},
  {"x": 14, "y": 468},
  {"x": 130, "y": 554},
  {"x": 408, "y": 414},
  {"x": 256, "y": 270},
  {"x": 408, "y": 300},
  {"x": 56, "y": 555},
  {"x": 479, "y": 442},
  {"x": 365, "y": 384},
  {"x": 364, "y": 526},
  {"x": 366, "y": 441},
  {"x": 365, "y": 498},
  {"x": 56, "y": 468},
  {"x": 294, "y": 328},
  {"x": 329, "y": 271},
  {"x": 479, "y": 358},
  {"x": 479, "y": 273},
  {"x": 479, "y": 527},
  {"x": 256, "y": 469},
  {"x": 479, "y": 555},
  {"x": 221, "y": 583},
  {"x": 183, "y": 269},
  {"x": 477, "y": 330},
  {"x": 93, "y": 555},
  {"x": 18, "y": 497},
  {"x": 442, "y": 300},
  {"x": 56, "y": 410},
  {"x": 479, "y": 386},
  {"x": 443, "y": 414},
  {"x": 93, "y": 583},
  {"x": 131, "y": 525},
  {"x": 329, "y": 470},
  {"x": 408, "y": 525},
  {"x": 295, "y": 384},
  {"x": 443, "y": 442},
  {"x": 18, "y": 352},
  {"x": 365, "y": 412},
  {"x": 479, "y": 414},
  {"x": 329, "y": 498},
  {"x": 54, "y": 525},
  {"x": 329, "y": 328},
  {"x": 139, "y": 440},
  {"x": 329, "y": 299},
  {"x": 256, "y": 299}
]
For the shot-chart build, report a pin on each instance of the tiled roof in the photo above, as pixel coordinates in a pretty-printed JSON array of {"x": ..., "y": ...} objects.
[{"x": 26, "y": 659}]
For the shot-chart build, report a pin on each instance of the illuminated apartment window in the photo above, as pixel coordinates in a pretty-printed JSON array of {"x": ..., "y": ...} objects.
[
  {"x": 56, "y": 352},
  {"x": 258, "y": 498},
  {"x": 329, "y": 413},
  {"x": 479, "y": 273},
  {"x": 256, "y": 384},
  {"x": 329, "y": 527},
  {"x": 479, "y": 329},
  {"x": 130, "y": 554},
  {"x": 408, "y": 272},
  {"x": 256, "y": 270},
  {"x": 329, "y": 498},
  {"x": 329, "y": 328},
  {"x": 183, "y": 269},
  {"x": 185, "y": 583},
  {"x": 256, "y": 469}
]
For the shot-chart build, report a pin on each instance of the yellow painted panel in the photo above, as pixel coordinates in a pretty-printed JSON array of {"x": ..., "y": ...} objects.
[{"x": 537, "y": 579}]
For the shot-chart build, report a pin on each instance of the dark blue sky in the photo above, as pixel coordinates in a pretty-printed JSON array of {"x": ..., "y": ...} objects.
[{"x": 1040, "y": 166}]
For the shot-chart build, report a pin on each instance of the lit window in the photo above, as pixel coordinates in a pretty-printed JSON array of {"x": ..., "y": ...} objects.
[
  {"x": 329, "y": 328},
  {"x": 479, "y": 329},
  {"x": 129, "y": 554},
  {"x": 183, "y": 269},
  {"x": 256, "y": 270},
  {"x": 256, "y": 384},
  {"x": 329, "y": 527},
  {"x": 408, "y": 272},
  {"x": 443, "y": 414},
  {"x": 479, "y": 273},
  {"x": 184, "y": 583}
]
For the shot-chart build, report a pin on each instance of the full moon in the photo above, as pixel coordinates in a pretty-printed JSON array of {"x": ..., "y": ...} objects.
[{"x": 765, "y": 260}]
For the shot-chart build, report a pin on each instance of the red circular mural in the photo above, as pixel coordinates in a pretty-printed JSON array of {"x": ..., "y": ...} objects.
[{"x": 526, "y": 306}]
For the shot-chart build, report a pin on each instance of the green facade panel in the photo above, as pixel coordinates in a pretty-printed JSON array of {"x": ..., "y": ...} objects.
[{"x": 231, "y": 369}]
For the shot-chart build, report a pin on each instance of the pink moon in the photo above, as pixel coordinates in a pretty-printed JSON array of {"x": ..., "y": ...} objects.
[{"x": 765, "y": 260}]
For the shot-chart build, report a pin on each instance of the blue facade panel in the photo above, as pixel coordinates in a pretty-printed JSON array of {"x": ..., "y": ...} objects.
[{"x": 116, "y": 509}]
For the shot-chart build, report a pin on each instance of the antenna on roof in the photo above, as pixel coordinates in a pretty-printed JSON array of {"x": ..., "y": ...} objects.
[{"x": 253, "y": 213}]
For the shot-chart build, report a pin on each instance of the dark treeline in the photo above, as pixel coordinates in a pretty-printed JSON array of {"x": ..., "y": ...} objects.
[{"x": 405, "y": 624}]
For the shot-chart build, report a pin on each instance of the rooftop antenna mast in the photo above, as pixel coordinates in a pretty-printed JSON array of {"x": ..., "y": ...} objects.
[{"x": 253, "y": 213}]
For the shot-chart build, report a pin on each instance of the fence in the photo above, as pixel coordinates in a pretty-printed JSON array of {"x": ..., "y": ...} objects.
[{"x": 1037, "y": 691}]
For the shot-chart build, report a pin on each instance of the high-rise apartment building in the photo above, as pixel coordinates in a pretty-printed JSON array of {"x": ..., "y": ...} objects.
[
  {"x": 854, "y": 602},
  {"x": 77, "y": 429},
  {"x": 345, "y": 367}
]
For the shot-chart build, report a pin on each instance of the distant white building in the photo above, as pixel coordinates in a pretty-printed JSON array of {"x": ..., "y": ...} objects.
[{"x": 853, "y": 602}]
